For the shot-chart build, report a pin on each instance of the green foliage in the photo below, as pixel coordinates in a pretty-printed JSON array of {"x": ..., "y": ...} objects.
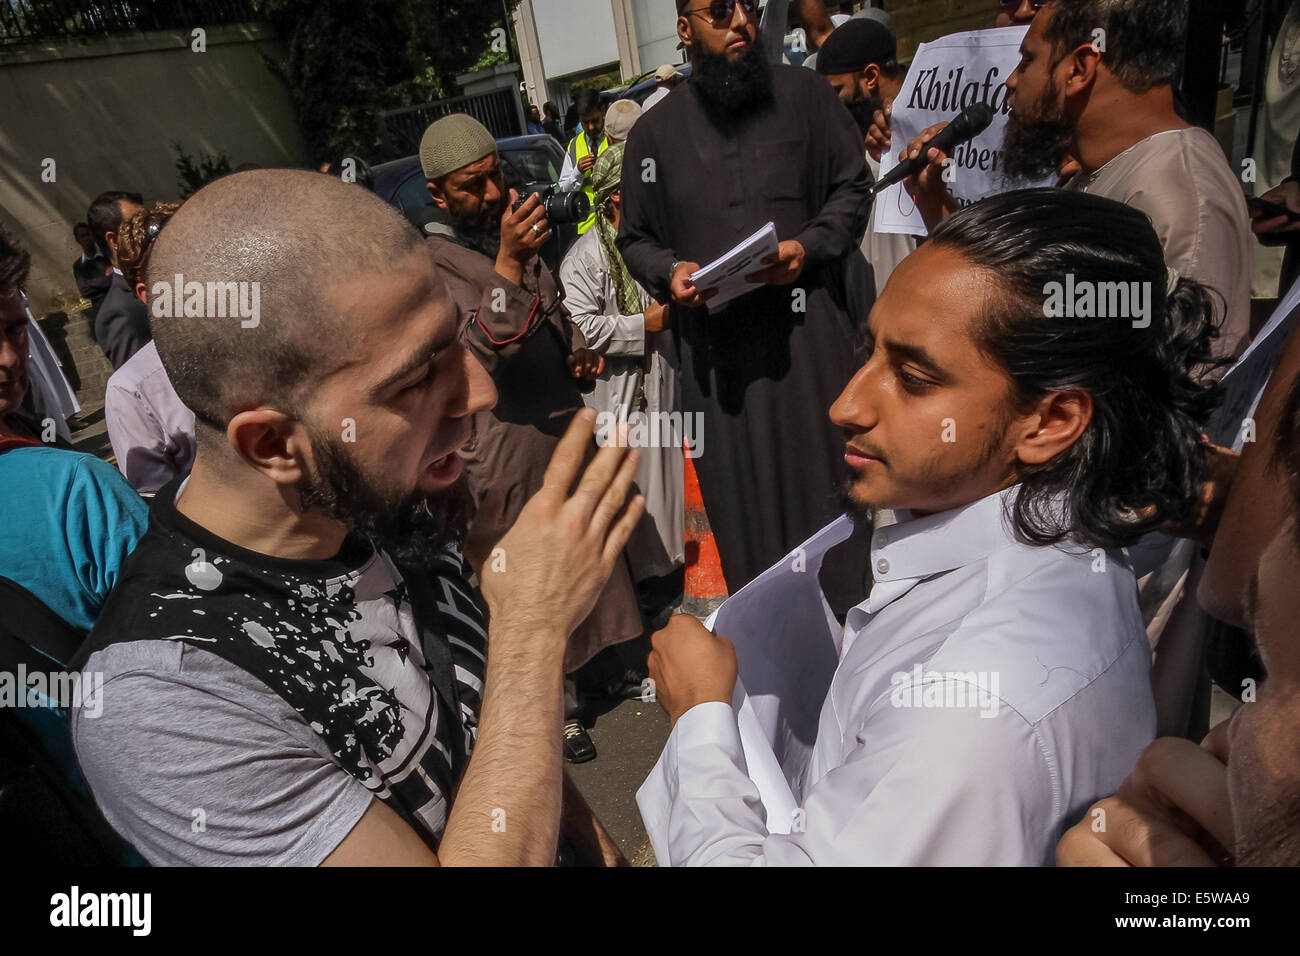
[
  {"x": 192, "y": 176},
  {"x": 601, "y": 81},
  {"x": 489, "y": 58},
  {"x": 348, "y": 60}
]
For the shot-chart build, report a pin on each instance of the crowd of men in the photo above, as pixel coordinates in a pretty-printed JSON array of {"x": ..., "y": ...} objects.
[{"x": 374, "y": 544}]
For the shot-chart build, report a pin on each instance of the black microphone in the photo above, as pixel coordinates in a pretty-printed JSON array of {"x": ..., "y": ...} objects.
[{"x": 972, "y": 121}]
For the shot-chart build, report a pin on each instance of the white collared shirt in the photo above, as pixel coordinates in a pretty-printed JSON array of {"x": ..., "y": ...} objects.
[
  {"x": 1033, "y": 701},
  {"x": 150, "y": 428}
]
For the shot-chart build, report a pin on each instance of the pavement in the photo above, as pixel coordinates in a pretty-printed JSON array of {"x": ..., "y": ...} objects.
[
  {"x": 629, "y": 738},
  {"x": 93, "y": 439}
]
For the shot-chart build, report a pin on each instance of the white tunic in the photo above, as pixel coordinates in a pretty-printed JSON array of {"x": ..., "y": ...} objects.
[
  {"x": 589, "y": 296},
  {"x": 974, "y": 706}
]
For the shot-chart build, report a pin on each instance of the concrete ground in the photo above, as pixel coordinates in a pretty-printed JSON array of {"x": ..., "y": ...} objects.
[
  {"x": 628, "y": 740},
  {"x": 93, "y": 439}
]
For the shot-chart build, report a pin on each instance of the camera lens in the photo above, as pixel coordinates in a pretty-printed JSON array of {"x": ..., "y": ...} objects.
[{"x": 568, "y": 207}]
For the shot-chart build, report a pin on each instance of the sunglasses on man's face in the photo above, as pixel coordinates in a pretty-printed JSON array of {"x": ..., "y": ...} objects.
[{"x": 721, "y": 11}]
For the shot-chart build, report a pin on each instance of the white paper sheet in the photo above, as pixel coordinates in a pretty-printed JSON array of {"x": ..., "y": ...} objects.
[
  {"x": 787, "y": 645},
  {"x": 1244, "y": 382},
  {"x": 727, "y": 273}
]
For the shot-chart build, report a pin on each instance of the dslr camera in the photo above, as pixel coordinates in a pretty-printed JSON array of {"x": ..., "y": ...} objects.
[{"x": 559, "y": 206}]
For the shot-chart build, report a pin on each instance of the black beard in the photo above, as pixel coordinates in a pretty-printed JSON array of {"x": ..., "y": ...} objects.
[
  {"x": 733, "y": 92},
  {"x": 863, "y": 516},
  {"x": 1033, "y": 147},
  {"x": 863, "y": 109},
  {"x": 481, "y": 232},
  {"x": 412, "y": 528}
]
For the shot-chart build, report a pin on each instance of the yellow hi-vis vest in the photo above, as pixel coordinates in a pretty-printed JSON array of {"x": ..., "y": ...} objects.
[{"x": 578, "y": 149}]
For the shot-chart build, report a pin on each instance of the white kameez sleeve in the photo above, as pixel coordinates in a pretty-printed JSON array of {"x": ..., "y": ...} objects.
[
  {"x": 584, "y": 298},
  {"x": 917, "y": 786}
]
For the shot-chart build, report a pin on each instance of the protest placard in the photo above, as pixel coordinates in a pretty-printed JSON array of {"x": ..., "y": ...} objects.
[{"x": 946, "y": 76}]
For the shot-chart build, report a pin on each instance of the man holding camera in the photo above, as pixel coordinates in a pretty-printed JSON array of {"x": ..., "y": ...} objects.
[{"x": 514, "y": 323}]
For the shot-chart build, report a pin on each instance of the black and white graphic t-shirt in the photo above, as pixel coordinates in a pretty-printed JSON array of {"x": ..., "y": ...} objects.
[{"x": 221, "y": 667}]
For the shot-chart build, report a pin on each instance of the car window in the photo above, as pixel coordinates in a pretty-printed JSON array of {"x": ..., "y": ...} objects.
[
  {"x": 529, "y": 165},
  {"x": 413, "y": 195}
]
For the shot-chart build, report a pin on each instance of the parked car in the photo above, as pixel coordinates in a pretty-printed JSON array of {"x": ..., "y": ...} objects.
[
  {"x": 641, "y": 87},
  {"x": 524, "y": 160}
]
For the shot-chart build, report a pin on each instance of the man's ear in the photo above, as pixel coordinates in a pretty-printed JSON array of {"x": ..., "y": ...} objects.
[
  {"x": 684, "y": 30},
  {"x": 141, "y": 293},
  {"x": 110, "y": 240},
  {"x": 1083, "y": 65},
  {"x": 438, "y": 196},
  {"x": 1056, "y": 423},
  {"x": 271, "y": 442},
  {"x": 872, "y": 75}
]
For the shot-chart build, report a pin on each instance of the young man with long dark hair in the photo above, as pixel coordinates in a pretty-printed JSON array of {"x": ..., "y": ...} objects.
[{"x": 1028, "y": 407}]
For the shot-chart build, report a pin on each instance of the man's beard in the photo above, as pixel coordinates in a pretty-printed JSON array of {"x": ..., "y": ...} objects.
[
  {"x": 862, "y": 515},
  {"x": 1269, "y": 836},
  {"x": 481, "y": 230},
  {"x": 412, "y": 528},
  {"x": 865, "y": 515},
  {"x": 864, "y": 109},
  {"x": 733, "y": 92},
  {"x": 1033, "y": 147}
]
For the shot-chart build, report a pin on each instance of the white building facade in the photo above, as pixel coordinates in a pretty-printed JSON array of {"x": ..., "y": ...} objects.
[{"x": 561, "y": 42}]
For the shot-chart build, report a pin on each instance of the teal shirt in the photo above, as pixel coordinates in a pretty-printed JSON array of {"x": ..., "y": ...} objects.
[{"x": 67, "y": 523}]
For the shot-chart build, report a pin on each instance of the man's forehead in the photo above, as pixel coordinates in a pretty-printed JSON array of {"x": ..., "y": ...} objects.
[
  {"x": 389, "y": 313},
  {"x": 488, "y": 164},
  {"x": 1034, "y": 36},
  {"x": 934, "y": 299}
]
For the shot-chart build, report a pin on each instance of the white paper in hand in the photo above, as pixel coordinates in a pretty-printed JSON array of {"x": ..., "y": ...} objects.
[
  {"x": 787, "y": 646},
  {"x": 1244, "y": 383},
  {"x": 727, "y": 273}
]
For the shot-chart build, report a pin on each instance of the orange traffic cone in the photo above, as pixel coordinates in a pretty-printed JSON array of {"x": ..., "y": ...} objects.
[{"x": 704, "y": 578}]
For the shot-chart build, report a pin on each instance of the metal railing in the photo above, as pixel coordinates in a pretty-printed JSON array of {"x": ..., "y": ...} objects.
[
  {"x": 501, "y": 111},
  {"x": 23, "y": 21}
]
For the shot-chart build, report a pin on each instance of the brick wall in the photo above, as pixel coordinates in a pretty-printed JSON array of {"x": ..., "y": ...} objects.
[{"x": 917, "y": 21}]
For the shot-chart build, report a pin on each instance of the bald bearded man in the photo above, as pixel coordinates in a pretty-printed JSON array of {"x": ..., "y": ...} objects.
[{"x": 295, "y": 663}]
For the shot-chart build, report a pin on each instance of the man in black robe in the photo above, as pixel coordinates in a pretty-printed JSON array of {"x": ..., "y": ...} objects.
[{"x": 753, "y": 142}]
